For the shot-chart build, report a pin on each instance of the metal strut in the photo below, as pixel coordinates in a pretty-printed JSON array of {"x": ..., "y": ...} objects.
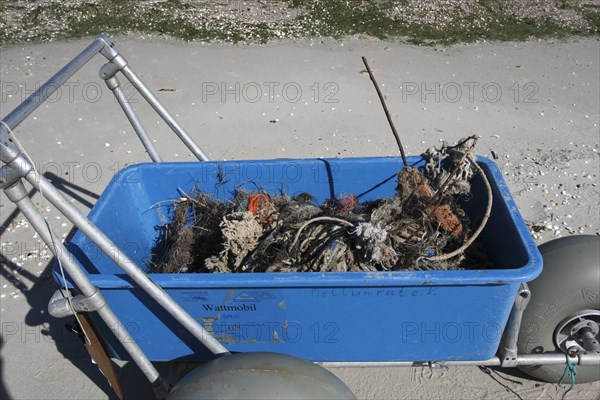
[
  {"x": 18, "y": 195},
  {"x": 118, "y": 63},
  {"x": 17, "y": 166},
  {"x": 107, "y": 72},
  {"x": 508, "y": 353}
]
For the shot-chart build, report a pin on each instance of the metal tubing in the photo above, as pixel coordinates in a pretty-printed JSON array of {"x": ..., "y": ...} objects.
[
  {"x": 164, "y": 114},
  {"x": 59, "y": 306},
  {"x": 124, "y": 262},
  {"x": 8, "y": 176},
  {"x": 114, "y": 85},
  {"x": 13, "y": 171},
  {"x": 522, "y": 359},
  {"x": 8, "y": 149},
  {"x": 557, "y": 359},
  {"x": 492, "y": 362},
  {"x": 509, "y": 351},
  {"x": 47, "y": 89},
  {"x": 18, "y": 195}
]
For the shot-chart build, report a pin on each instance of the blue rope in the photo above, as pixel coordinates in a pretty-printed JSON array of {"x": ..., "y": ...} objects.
[{"x": 572, "y": 372}]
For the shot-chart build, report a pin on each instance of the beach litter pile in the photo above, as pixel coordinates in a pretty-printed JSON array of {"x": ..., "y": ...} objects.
[{"x": 421, "y": 227}]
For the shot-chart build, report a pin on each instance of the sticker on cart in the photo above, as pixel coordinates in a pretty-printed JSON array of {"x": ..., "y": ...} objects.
[
  {"x": 244, "y": 296},
  {"x": 245, "y": 316}
]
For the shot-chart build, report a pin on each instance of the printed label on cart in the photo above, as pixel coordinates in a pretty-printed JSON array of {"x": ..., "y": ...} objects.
[
  {"x": 236, "y": 307},
  {"x": 245, "y": 316}
]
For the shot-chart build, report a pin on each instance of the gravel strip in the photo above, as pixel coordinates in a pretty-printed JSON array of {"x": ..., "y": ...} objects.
[{"x": 248, "y": 21}]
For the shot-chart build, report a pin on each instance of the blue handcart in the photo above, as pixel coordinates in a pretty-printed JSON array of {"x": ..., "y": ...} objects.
[{"x": 384, "y": 318}]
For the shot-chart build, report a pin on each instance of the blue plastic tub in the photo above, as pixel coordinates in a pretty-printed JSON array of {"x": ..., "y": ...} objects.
[{"x": 353, "y": 316}]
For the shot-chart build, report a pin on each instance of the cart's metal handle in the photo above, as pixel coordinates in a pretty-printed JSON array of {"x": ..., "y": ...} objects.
[
  {"x": 104, "y": 45},
  {"x": 17, "y": 166}
]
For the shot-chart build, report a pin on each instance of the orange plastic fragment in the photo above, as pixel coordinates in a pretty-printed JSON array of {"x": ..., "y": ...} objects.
[{"x": 257, "y": 202}]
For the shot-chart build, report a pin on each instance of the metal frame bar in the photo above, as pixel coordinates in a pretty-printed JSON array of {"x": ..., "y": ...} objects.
[
  {"x": 118, "y": 63},
  {"x": 17, "y": 166},
  {"x": 164, "y": 114},
  {"x": 508, "y": 353},
  {"x": 104, "y": 45},
  {"x": 8, "y": 149},
  {"x": 115, "y": 86},
  {"x": 18, "y": 195},
  {"x": 32, "y": 102},
  {"x": 582, "y": 359}
]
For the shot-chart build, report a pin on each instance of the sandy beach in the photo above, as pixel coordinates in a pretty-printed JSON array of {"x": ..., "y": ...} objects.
[{"x": 535, "y": 105}]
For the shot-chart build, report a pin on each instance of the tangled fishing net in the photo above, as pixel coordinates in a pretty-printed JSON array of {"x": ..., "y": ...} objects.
[{"x": 421, "y": 227}]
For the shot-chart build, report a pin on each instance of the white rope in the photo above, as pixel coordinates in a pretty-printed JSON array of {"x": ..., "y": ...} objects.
[
  {"x": 338, "y": 220},
  {"x": 488, "y": 212}
]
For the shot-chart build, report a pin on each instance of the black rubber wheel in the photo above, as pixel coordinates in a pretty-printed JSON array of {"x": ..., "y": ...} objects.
[{"x": 568, "y": 287}]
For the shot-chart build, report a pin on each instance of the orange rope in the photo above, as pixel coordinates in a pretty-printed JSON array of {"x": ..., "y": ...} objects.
[
  {"x": 347, "y": 203},
  {"x": 257, "y": 202}
]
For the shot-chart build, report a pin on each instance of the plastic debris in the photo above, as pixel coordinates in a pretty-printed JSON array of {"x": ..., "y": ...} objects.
[{"x": 422, "y": 226}]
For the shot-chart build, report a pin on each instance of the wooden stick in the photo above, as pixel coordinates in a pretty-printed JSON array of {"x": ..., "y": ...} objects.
[{"x": 385, "y": 109}]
